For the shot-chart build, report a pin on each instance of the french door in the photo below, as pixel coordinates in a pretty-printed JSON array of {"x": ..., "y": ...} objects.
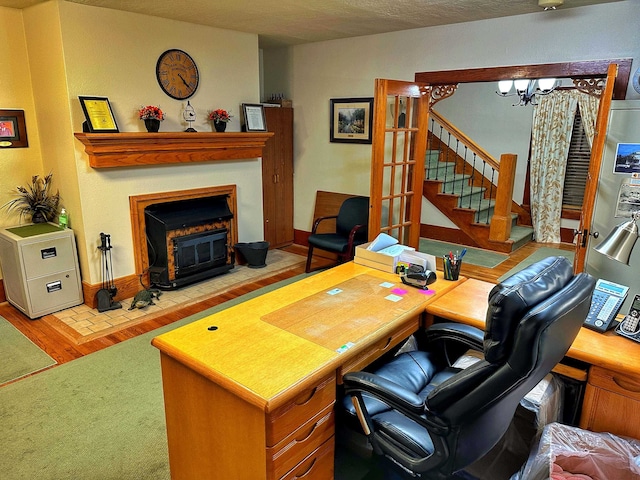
[
  {"x": 597, "y": 151},
  {"x": 400, "y": 119}
]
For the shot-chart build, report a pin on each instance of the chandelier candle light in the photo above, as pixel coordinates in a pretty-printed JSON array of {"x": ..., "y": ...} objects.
[{"x": 526, "y": 89}]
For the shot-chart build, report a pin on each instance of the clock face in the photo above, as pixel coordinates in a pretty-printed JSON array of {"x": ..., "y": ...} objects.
[
  {"x": 177, "y": 74},
  {"x": 636, "y": 81}
]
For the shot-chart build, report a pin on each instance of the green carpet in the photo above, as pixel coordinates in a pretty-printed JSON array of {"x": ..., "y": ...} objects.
[
  {"x": 474, "y": 256},
  {"x": 536, "y": 257},
  {"x": 97, "y": 417},
  {"x": 18, "y": 355}
]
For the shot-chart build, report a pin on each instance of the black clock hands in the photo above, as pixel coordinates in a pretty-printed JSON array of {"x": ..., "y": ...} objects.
[{"x": 183, "y": 80}]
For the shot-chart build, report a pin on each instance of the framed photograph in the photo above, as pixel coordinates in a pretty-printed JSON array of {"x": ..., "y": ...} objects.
[
  {"x": 627, "y": 158},
  {"x": 13, "y": 130},
  {"x": 254, "y": 119},
  {"x": 100, "y": 118},
  {"x": 628, "y": 197},
  {"x": 351, "y": 120}
]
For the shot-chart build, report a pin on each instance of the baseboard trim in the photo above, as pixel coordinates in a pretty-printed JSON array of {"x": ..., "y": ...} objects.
[{"x": 126, "y": 287}]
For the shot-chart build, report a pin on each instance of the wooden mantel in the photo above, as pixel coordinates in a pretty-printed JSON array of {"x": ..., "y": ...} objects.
[{"x": 108, "y": 150}]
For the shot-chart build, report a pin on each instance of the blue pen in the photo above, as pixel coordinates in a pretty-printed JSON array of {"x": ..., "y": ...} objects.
[{"x": 464, "y": 250}]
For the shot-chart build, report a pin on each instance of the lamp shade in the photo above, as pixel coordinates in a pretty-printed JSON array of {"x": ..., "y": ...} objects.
[
  {"x": 546, "y": 84},
  {"x": 521, "y": 85},
  {"x": 504, "y": 86},
  {"x": 619, "y": 244}
]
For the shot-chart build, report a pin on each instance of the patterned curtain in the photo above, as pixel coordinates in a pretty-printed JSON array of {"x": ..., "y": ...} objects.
[
  {"x": 589, "y": 112},
  {"x": 550, "y": 138}
]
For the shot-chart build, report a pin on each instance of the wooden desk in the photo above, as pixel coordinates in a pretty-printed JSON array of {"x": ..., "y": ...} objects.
[
  {"x": 612, "y": 394},
  {"x": 249, "y": 391}
]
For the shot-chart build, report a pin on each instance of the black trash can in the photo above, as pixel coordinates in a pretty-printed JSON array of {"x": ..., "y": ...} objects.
[{"x": 255, "y": 253}]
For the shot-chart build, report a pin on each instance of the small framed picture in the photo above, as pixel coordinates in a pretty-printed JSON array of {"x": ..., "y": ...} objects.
[
  {"x": 254, "y": 119},
  {"x": 98, "y": 114},
  {"x": 627, "y": 158},
  {"x": 351, "y": 120},
  {"x": 13, "y": 130}
]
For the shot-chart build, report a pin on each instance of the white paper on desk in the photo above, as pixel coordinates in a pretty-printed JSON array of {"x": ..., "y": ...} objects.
[
  {"x": 381, "y": 241},
  {"x": 426, "y": 261},
  {"x": 395, "y": 250}
]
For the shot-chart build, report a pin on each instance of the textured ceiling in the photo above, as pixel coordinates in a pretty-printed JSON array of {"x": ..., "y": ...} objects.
[{"x": 291, "y": 22}]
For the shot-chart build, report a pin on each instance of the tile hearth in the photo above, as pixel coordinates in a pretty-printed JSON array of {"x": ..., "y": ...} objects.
[{"x": 83, "y": 323}]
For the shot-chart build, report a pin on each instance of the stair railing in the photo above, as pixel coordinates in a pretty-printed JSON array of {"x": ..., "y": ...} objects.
[{"x": 474, "y": 171}]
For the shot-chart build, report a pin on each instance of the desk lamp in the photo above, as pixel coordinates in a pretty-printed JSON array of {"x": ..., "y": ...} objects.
[{"x": 619, "y": 244}]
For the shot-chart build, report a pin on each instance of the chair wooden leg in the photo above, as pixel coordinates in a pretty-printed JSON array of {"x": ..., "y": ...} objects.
[{"x": 307, "y": 269}]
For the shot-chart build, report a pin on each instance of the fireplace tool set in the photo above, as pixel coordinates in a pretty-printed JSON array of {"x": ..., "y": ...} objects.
[{"x": 104, "y": 296}]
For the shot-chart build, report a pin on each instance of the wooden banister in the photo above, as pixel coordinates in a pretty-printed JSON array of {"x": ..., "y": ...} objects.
[
  {"x": 459, "y": 135},
  {"x": 500, "y": 228}
]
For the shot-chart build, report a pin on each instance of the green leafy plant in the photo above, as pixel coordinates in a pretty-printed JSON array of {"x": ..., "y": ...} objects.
[{"x": 35, "y": 200}]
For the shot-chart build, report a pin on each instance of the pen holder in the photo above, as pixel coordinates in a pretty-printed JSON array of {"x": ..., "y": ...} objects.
[{"x": 451, "y": 269}]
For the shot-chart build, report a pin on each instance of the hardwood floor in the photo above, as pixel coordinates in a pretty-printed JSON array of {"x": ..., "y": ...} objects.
[{"x": 62, "y": 350}]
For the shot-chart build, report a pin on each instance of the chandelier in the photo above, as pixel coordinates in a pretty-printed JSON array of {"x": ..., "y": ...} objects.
[{"x": 526, "y": 90}]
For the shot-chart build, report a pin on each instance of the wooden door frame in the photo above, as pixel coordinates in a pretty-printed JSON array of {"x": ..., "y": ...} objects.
[{"x": 618, "y": 70}]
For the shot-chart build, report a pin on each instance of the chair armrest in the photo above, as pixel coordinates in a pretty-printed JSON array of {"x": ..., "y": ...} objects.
[
  {"x": 384, "y": 390},
  {"x": 458, "y": 332},
  {"x": 320, "y": 219}
]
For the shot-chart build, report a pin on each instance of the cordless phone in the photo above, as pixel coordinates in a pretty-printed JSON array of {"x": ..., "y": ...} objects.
[
  {"x": 606, "y": 301},
  {"x": 630, "y": 326}
]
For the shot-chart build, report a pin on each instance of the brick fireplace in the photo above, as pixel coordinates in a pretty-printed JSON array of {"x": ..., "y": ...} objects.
[{"x": 192, "y": 236}]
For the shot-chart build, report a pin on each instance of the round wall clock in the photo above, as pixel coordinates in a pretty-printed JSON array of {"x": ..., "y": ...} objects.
[
  {"x": 636, "y": 80},
  {"x": 177, "y": 74}
]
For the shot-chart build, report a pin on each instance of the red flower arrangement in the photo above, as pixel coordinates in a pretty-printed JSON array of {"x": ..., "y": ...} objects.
[
  {"x": 219, "y": 115},
  {"x": 151, "y": 112}
]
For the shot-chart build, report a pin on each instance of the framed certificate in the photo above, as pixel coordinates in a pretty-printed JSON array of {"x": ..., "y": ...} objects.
[
  {"x": 254, "y": 118},
  {"x": 99, "y": 115}
]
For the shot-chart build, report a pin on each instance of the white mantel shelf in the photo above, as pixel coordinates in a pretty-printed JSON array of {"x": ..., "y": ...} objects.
[{"x": 109, "y": 150}]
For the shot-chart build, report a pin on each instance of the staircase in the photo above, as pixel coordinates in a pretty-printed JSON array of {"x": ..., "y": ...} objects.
[{"x": 461, "y": 190}]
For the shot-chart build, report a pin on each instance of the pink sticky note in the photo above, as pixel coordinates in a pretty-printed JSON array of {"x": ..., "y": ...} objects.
[
  {"x": 427, "y": 292},
  {"x": 399, "y": 291}
]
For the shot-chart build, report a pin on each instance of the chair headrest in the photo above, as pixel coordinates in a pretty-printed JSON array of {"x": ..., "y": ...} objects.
[{"x": 511, "y": 299}]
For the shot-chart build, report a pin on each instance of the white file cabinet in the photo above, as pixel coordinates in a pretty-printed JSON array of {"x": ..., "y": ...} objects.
[{"x": 40, "y": 268}]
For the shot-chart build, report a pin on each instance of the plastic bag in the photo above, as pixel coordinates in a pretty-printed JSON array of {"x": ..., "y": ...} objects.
[{"x": 565, "y": 452}]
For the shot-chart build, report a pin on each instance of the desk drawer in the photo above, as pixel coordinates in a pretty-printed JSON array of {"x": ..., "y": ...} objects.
[
  {"x": 284, "y": 420},
  {"x": 379, "y": 348},
  {"x": 294, "y": 448},
  {"x": 317, "y": 466},
  {"x": 615, "y": 382}
]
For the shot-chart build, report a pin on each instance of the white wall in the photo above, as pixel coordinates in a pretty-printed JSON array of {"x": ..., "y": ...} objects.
[
  {"x": 79, "y": 50},
  {"x": 347, "y": 68}
]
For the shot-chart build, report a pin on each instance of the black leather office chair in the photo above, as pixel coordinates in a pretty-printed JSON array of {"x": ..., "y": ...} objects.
[
  {"x": 425, "y": 417},
  {"x": 352, "y": 223}
]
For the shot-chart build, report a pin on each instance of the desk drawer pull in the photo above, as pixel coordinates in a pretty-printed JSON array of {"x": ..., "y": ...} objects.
[
  {"x": 299, "y": 401},
  {"x": 304, "y": 436},
  {"x": 389, "y": 340},
  {"x": 632, "y": 387},
  {"x": 307, "y": 471}
]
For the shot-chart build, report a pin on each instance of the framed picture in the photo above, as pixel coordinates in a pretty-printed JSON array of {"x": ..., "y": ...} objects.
[
  {"x": 100, "y": 118},
  {"x": 13, "y": 130},
  {"x": 627, "y": 158},
  {"x": 351, "y": 120},
  {"x": 628, "y": 197},
  {"x": 254, "y": 118}
]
